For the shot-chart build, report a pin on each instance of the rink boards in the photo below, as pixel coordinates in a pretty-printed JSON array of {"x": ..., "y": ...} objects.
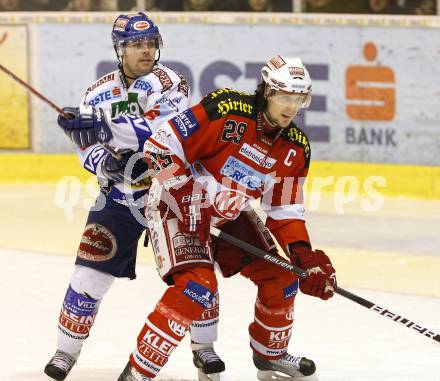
[{"x": 388, "y": 179}]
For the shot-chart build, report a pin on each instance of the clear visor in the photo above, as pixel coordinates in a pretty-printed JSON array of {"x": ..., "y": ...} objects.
[
  {"x": 141, "y": 44},
  {"x": 291, "y": 99}
]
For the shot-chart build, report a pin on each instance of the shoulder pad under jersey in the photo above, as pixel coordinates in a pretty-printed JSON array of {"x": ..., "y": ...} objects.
[
  {"x": 221, "y": 103},
  {"x": 296, "y": 136},
  {"x": 106, "y": 88}
]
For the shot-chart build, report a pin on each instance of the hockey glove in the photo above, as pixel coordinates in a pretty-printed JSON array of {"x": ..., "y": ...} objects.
[
  {"x": 188, "y": 201},
  {"x": 321, "y": 276},
  {"x": 131, "y": 167},
  {"x": 85, "y": 129}
]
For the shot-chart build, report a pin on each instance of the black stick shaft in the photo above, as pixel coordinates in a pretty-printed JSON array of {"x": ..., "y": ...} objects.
[
  {"x": 340, "y": 291},
  {"x": 58, "y": 109},
  {"x": 34, "y": 91},
  {"x": 258, "y": 252}
]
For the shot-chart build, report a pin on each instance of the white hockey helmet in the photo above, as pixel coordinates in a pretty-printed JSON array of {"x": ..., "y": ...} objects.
[{"x": 288, "y": 74}]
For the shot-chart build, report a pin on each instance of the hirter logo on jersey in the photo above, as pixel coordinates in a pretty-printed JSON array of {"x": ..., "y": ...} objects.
[
  {"x": 297, "y": 137},
  {"x": 227, "y": 105},
  {"x": 185, "y": 123}
]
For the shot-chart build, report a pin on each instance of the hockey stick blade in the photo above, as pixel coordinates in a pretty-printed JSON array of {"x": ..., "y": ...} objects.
[
  {"x": 389, "y": 314},
  {"x": 278, "y": 261}
]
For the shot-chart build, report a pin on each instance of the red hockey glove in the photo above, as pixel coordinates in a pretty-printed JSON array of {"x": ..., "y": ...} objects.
[
  {"x": 321, "y": 276},
  {"x": 189, "y": 202}
]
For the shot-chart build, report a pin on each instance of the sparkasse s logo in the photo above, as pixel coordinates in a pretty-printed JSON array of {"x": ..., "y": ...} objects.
[
  {"x": 370, "y": 89},
  {"x": 370, "y": 92}
]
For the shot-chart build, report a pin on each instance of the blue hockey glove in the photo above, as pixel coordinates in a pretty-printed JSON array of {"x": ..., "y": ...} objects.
[
  {"x": 85, "y": 129},
  {"x": 125, "y": 170}
]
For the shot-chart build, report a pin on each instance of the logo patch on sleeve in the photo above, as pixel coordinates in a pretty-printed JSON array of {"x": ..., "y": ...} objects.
[
  {"x": 164, "y": 78},
  {"x": 185, "y": 123},
  {"x": 93, "y": 159},
  {"x": 291, "y": 290},
  {"x": 200, "y": 294}
]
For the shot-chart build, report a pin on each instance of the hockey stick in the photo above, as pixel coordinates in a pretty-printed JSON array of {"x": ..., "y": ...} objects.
[
  {"x": 278, "y": 261},
  {"x": 59, "y": 110}
]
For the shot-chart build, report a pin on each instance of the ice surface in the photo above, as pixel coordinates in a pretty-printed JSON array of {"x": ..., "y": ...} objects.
[
  {"x": 347, "y": 341},
  {"x": 393, "y": 251}
]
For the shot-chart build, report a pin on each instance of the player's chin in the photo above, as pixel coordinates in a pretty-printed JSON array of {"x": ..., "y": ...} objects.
[
  {"x": 284, "y": 122},
  {"x": 144, "y": 67}
]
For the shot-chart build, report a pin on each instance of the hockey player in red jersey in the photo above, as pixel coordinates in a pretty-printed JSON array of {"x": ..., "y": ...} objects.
[
  {"x": 108, "y": 248},
  {"x": 212, "y": 160}
]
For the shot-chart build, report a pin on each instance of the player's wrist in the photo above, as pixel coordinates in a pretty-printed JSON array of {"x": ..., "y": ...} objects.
[{"x": 299, "y": 251}]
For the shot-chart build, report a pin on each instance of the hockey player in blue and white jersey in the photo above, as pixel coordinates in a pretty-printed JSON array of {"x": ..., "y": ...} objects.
[{"x": 108, "y": 247}]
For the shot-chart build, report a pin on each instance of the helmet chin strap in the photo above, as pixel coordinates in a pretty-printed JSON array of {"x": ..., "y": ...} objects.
[
  {"x": 269, "y": 120},
  {"x": 121, "y": 66},
  {"x": 266, "y": 114},
  {"x": 123, "y": 71},
  {"x": 267, "y": 129}
]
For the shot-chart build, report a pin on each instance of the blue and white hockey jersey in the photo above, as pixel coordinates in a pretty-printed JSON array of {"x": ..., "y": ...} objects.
[{"x": 157, "y": 96}]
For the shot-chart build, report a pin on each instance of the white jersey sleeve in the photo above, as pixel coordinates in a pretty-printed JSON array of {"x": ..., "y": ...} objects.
[
  {"x": 136, "y": 112},
  {"x": 102, "y": 93}
]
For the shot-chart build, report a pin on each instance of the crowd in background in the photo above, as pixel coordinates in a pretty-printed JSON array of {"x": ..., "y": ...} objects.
[{"x": 418, "y": 7}]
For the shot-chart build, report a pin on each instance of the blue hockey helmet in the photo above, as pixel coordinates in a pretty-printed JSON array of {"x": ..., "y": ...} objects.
[{"x": 132, "y": 27}]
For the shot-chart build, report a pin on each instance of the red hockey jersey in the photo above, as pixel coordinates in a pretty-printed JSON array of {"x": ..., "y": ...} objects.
[{"x": 221, "y": 139}]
